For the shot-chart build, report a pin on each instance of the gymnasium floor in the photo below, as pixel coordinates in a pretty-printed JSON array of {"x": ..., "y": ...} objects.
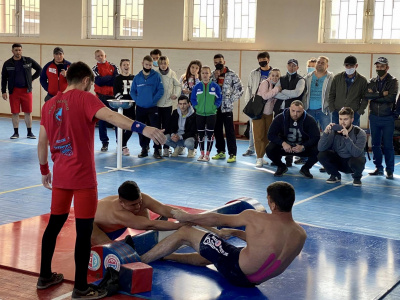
[{"x": 353, "y": 246}]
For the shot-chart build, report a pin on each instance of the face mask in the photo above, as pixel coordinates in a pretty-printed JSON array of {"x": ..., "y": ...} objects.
[
  {"x": 155, "y": 63},
  {"x": 219, "y": 66},
  {"x": 310, "y": 69},
  {"x": 146, "y": 70},
  {"x": 263, "y": 63},
  {"x": 350, "y": 71},
  {"x": 381, "y": 73},
  {"x": 291, "y": 73}
]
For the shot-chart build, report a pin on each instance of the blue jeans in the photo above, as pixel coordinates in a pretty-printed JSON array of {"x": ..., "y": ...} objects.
[
  {"x": 188, "y": 143},
  {"x": 322, "y": 119},
  {"x": 382, "y": 129},
  {"x": 335, "y": 118},
  {"x": 103, "y": 124}
]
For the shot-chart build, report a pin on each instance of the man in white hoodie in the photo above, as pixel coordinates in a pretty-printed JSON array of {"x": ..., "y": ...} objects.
[{"x": 181, "y": 130}]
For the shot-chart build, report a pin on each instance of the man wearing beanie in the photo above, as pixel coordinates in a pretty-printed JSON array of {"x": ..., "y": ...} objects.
[{"x": 348, "y": 90}]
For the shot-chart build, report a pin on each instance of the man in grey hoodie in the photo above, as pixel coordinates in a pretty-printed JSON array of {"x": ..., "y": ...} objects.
[{"x": 181, "y": 130}]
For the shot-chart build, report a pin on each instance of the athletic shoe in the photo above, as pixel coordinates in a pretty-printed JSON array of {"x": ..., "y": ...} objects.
[
  {"x": 190, "y": 153},
  {"x": 144, "y": 153},
  {"x": 104, "y": 148},
  {"x": 389, "y": 175},
  {"x": 231, "y": 159},
  {"x": 259, "y": 162},
  {"x": 306, "y": 172},
  {"x": 92, "y": 292},
  {"x": 200, "y": 158},
  {"x": 14, "y": 136},
  {"x": 176, "y": 152},
  {"x": 157, "y": 154},
  {"x": 377, "y": 172},
  {"x": 182, "y": 151},
  {"x": 31, "y": 136},
  {"x": 248, "y": 152},
  {"x": 357, "y": 182},
  {"x": 165, "y": 152},
  {"x": 300, "y": 161},
  {"x": 333, "y": 179},
  {"x": 44, "y": 283},
  {"x": 125, "y": 151},
  {"x": 265, "y": 163},
  {"x": 206, "y": 158},
  {"x": 220, "y": 155},
  {"x": 280, "y": 171}
]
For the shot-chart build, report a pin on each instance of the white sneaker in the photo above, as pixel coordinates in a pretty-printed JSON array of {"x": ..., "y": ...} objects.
[
  {"x": 190, "y": 153},
  {"x": 265, "y": 163},
  {"x": 259, "y": 162},
  {"x": 176, "y": 152},
  {"x": 200, "y": 158},
  {"x": 166, "y": 152},
  {"x": 125, "y": 151},
  {"x": 182, "y": 150}
]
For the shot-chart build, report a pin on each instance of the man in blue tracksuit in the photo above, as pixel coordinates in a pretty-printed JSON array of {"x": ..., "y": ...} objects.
[{"x": 146, "y": 90}]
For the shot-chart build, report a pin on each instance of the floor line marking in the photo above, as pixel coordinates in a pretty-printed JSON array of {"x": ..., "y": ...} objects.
[
  {"x": 320, "y": 194},
  {"x": 20, "y": 189},
  {"x": 63, "y": 296}
]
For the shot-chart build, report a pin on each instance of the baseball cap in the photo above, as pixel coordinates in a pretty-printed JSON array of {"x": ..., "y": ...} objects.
[
  {"x": 58, "y": 50},
  {"x": 381, "y": 60},
  {"x": 350, "y": 60},
  {"x": 293, "y": 61}
]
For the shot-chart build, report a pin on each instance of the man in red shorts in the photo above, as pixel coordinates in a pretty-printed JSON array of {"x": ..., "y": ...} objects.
[
  {"x": 67, "y": 126},
  {"x": 17, "y": 71}
]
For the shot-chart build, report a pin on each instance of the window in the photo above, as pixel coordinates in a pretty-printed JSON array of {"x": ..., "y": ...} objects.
[
  {"x": 19, "y": 17},
  {"x": 222, "y": 20},
  {"x": 360, "y": 21},
  {"x": 116, "y": 19}
]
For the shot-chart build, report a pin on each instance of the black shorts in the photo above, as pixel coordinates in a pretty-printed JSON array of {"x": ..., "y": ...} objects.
[{"x": 225, "y": 257}]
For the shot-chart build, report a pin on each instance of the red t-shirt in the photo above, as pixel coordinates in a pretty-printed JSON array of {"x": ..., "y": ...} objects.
[{"x": 69, "y": 120}]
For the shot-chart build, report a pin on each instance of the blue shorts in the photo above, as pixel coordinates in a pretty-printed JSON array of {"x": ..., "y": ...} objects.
[
  {"x": 225, "y": 258},
  {"x": 116, "y": 233}
]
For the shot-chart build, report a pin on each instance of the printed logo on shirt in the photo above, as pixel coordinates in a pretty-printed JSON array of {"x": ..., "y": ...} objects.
[
  {"x": 127, "y": 86},
  {"x": 213, "y": 89},
  {"x": 53, "y": 70},
  {"x": 64, "y": 146},
  {"x": 214, "y": 243}
]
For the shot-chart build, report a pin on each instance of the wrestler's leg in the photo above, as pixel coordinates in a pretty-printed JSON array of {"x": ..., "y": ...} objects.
[
  {"x": 189, "y": 258},
  {"x": 185, "y": 235},
  {"x": 99, "y": 236}
]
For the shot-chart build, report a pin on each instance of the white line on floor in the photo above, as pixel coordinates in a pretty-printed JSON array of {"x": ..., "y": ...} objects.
[{"x": 63, "y": 296}]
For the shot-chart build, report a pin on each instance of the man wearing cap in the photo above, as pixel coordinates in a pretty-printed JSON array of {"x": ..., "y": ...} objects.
[
  {"x": 382, "y": 91},
  {"x": 54, "y": 74},
  {"x": 16, "y": 74},
  {"x": 293, "y": 88},
  {"x": 348, "y": 90}
]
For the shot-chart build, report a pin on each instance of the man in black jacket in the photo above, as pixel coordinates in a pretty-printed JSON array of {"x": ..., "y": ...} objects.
[
  {"x": 382, "y": 91},
  {"x": 293, "y": 132},
  {"x": 182, "y": 130},
  {"x": 17, "y": 72}
]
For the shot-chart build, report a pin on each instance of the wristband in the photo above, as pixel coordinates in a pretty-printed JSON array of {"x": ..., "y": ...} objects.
[
  {"x": 44, "y": 169},
  {"x": 138, "y": 127}
]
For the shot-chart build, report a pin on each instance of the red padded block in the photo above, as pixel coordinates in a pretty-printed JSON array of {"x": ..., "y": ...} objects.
[
  {"x": 96, "y": 262},
  {"x": 136, "y": 277}
]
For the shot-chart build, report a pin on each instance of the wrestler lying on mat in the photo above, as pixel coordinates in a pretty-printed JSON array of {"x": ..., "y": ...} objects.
[{"x": 273, "y": 240}]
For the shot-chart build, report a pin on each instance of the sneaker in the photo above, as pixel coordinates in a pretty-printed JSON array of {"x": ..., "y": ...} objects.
[
  {"x": 265, "y": 163},
  {"x": 200, "y": 158},
  {"x": 92, "y": 292},
  {"x": 306, "y": 173},
  {"x": 259, "y": 162},
  {"x": 231, "y": 159},
  {"x": 14, "y": 136},
  {"x": 176, "y": 152},
  {"x": 144, "y": 153},
  {"x": 300, "y": 161},
  {"x": 220, "y": 155},
  {"x": 377, "y": 172},
  {"x": 157, "y": 154},
  {"x": 389, "y": 175},
  {"x": 125, "y": 151},
  {"x": 190, "y": 153},
  {"x": 104, "y": 148},
  {"x": 44, "y": 283},
  {"x": 333, "y": 179},
  {"x": 31, "y": 136},
  {"x": 182, "y": 151},
  {"x": 165, "y": 152},
  {"x": 280, "y": 171},
  {"x": 357, "y": 182},
  {"x": 249, "y": 152},
  {"x": 206, "y": 158},
  {"x": 322, "y": 170}
]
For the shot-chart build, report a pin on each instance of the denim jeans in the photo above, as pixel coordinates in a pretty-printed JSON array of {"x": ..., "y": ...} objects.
[
  {"x": 188, "y": 143},
  {"x": 335, "y": 118},
  {"x": 322, "y": 119},
  {"x": 382, "y": 129}
]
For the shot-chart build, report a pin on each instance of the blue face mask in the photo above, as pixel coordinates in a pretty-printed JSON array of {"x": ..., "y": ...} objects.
[
  {"x": 292, "y": 73},
  {"x": 310, "y": 69},
  {"x": 155, "y": 63}
]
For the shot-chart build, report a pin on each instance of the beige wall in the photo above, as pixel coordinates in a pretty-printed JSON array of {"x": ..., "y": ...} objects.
[{"x": 285, "y": 28}]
